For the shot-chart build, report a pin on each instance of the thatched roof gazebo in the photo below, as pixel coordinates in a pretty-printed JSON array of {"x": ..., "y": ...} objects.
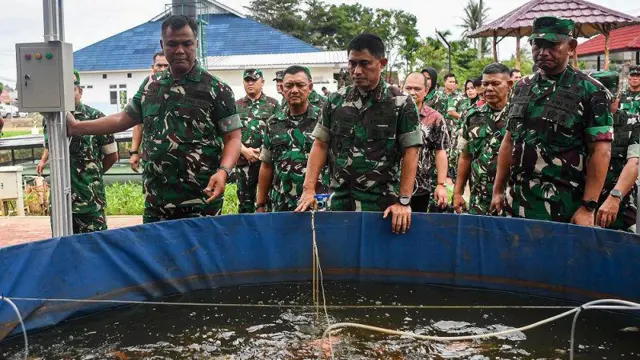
[{"x": 590, "y": 19}]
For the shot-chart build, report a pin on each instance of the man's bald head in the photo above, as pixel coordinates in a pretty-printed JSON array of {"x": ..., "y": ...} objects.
[
  {"x": 417, "y": 86},
  {"x": 417, "y": 76}
]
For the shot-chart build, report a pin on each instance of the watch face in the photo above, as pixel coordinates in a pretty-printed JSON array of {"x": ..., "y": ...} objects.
[
  {"x": 616, "y": 193},
  {"x": 404, "y": 200}
]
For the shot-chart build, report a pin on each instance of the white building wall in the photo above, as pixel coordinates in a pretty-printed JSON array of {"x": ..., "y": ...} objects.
[{"x": 97, "y": 91}]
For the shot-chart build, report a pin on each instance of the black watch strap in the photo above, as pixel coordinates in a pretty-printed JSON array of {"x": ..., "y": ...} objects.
[
  {"x": 133, "y": 152},
  {"x": 590, "y": 205},
  {"x": 225, "y": 169}
]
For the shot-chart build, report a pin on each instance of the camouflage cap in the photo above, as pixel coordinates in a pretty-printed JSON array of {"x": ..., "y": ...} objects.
[
  {"x": 76, "y": 80},
  {"x": 279, "y": 75},
  {"x": 551, "y": 28},
  {"x": 634, "y": 70},
  {"x": 610, "y": 80},
  {"x": 255, "y": 74}
]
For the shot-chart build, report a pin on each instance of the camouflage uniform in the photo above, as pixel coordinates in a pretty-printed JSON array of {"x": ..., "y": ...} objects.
[
  {"x": 482, "y": 132},
  {"x": 434, "y": 100},
  {"x": 551, "y": 121},
  {"x": 625, "y": 145},
  {"x": 88, "y": 198},
  {"x": 183, "y": 124},
  {"x": 316, "y": 99},
  {"x": 253, "y": 115},
  {"x": 454, "y": 125},
  {"x": 629, "y": 100},
  {"x": 435, "y": 136},
  {"x": 287, "y": 145},
  {"x": 367, "y": 133}
]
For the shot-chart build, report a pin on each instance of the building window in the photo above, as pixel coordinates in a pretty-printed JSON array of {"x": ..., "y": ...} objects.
[
  {"x": 123, "y": 86},
  {"x": 89, "y": 86},
  {"x": 113, "y": 97},
  {"x": 104, "y": 76},
  {"x": 129, "y": 75},
  {"x": 113, "y": 86}
]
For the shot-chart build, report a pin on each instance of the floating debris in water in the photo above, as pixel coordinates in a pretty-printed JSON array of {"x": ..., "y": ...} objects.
[{"x": 178, "y": 332}]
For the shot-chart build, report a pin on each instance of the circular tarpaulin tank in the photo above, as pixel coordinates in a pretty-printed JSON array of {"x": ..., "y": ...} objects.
[{"x": 148, "y": 261}]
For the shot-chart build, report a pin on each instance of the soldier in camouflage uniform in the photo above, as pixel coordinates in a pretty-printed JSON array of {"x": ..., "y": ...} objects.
[
  {"x": 185, "y": 111},
  {"x": 89, "y": 157},
  {"x": 287, "y": 144},
  {"x": 559, "y": 131},
  {"x": 630, "y": 98},
  {"x": 367, "y": 130},
  {"x": 434, "y": 97},
  {"x": 254, "y": 110},
  {"x": 483, "y": 129},
  {"x": 618, "y": 205},
  {"x": 278, "y": 80},
  {"x": 448, "y": 109}
]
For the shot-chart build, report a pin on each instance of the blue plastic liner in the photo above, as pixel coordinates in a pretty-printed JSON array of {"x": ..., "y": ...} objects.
[{"x": 147, "y": 261}]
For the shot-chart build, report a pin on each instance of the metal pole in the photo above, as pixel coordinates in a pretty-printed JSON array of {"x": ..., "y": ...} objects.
[
  {"x": 448, "y": 47},
  {"x": 57, "y": 131}
]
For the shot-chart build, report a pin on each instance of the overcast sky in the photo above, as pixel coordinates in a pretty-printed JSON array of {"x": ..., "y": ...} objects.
[{"x": 89, "y": 21}]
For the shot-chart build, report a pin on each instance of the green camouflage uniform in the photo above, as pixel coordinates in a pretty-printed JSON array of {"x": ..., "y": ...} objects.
[
  {"x": 88, "y": 198},
  {"x": 316, "y": 99},
  {"x": 253, "y": 115},
  {"x": 287, "y": 145},
  {"x": 482, "y": 132},
  {"x": 629, "y": 100},
  {"x": 551, "y": 121},
  {"x": 454, "y": 125},
  {"x": 183, "y": 124},
  {"x": 367, "y": 134},
  {"x": 625, "y": 146}
]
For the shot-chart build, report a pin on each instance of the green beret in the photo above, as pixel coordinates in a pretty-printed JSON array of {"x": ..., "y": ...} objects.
[
  {"x": 77, "y": 74},
  {"x": 551, "y": 29},
  {"x": 609, "y": 79}
]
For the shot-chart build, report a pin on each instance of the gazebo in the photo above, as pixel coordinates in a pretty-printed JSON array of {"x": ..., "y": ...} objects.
[{"x": 590, "y": 19}]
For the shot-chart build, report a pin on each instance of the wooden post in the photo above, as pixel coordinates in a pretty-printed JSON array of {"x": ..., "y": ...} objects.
[
  {"x": 518, "y": 50},
  {"x": 607, "y": 32},
  {"x": 495, "y": 47}
]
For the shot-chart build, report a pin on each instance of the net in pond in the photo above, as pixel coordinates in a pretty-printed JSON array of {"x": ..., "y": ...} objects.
[{"x": 285, "y": 325}]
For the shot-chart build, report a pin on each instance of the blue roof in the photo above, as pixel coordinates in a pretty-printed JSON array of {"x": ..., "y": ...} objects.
[{"x": 226, "y": 35}]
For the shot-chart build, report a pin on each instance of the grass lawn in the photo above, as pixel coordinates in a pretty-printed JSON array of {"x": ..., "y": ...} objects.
[
  {"x": 128, "y": 199},
  {"x": 11, "y": 133}
]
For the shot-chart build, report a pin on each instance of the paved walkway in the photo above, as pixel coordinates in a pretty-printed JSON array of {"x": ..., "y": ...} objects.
[{"x": 18, "y": 230}]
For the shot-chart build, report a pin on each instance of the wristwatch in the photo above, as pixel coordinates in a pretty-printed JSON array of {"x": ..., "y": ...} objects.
[
  {"x": 404, "y": 200},
  {"x": 590, "y": 205},
  {"x": 442, "y": 184},
  {"x": 258, "y": 206},
  {"x": 225, "y": 169},
  {"x": 616, "y": 194},
  {"x": 133, "y": 152}
]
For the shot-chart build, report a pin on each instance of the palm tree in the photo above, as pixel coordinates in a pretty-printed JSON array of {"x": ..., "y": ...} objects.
[{"x": 476, "y": 14}]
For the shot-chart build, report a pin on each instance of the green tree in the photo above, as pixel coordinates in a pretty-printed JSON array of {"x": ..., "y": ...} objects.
[
  {"x": 475, "y": 16},
  {"x": 284, "y": 15},
  {"x": 1, "y": 87}
]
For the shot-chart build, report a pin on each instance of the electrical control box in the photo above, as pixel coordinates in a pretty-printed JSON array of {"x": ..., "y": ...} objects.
[{"x": 45, "y": 77}]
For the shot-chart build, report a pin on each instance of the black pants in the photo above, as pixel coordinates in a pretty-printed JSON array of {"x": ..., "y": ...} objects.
[
  {"x": 420, "y": 203},
  {"x": 424, "y": 203}
]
